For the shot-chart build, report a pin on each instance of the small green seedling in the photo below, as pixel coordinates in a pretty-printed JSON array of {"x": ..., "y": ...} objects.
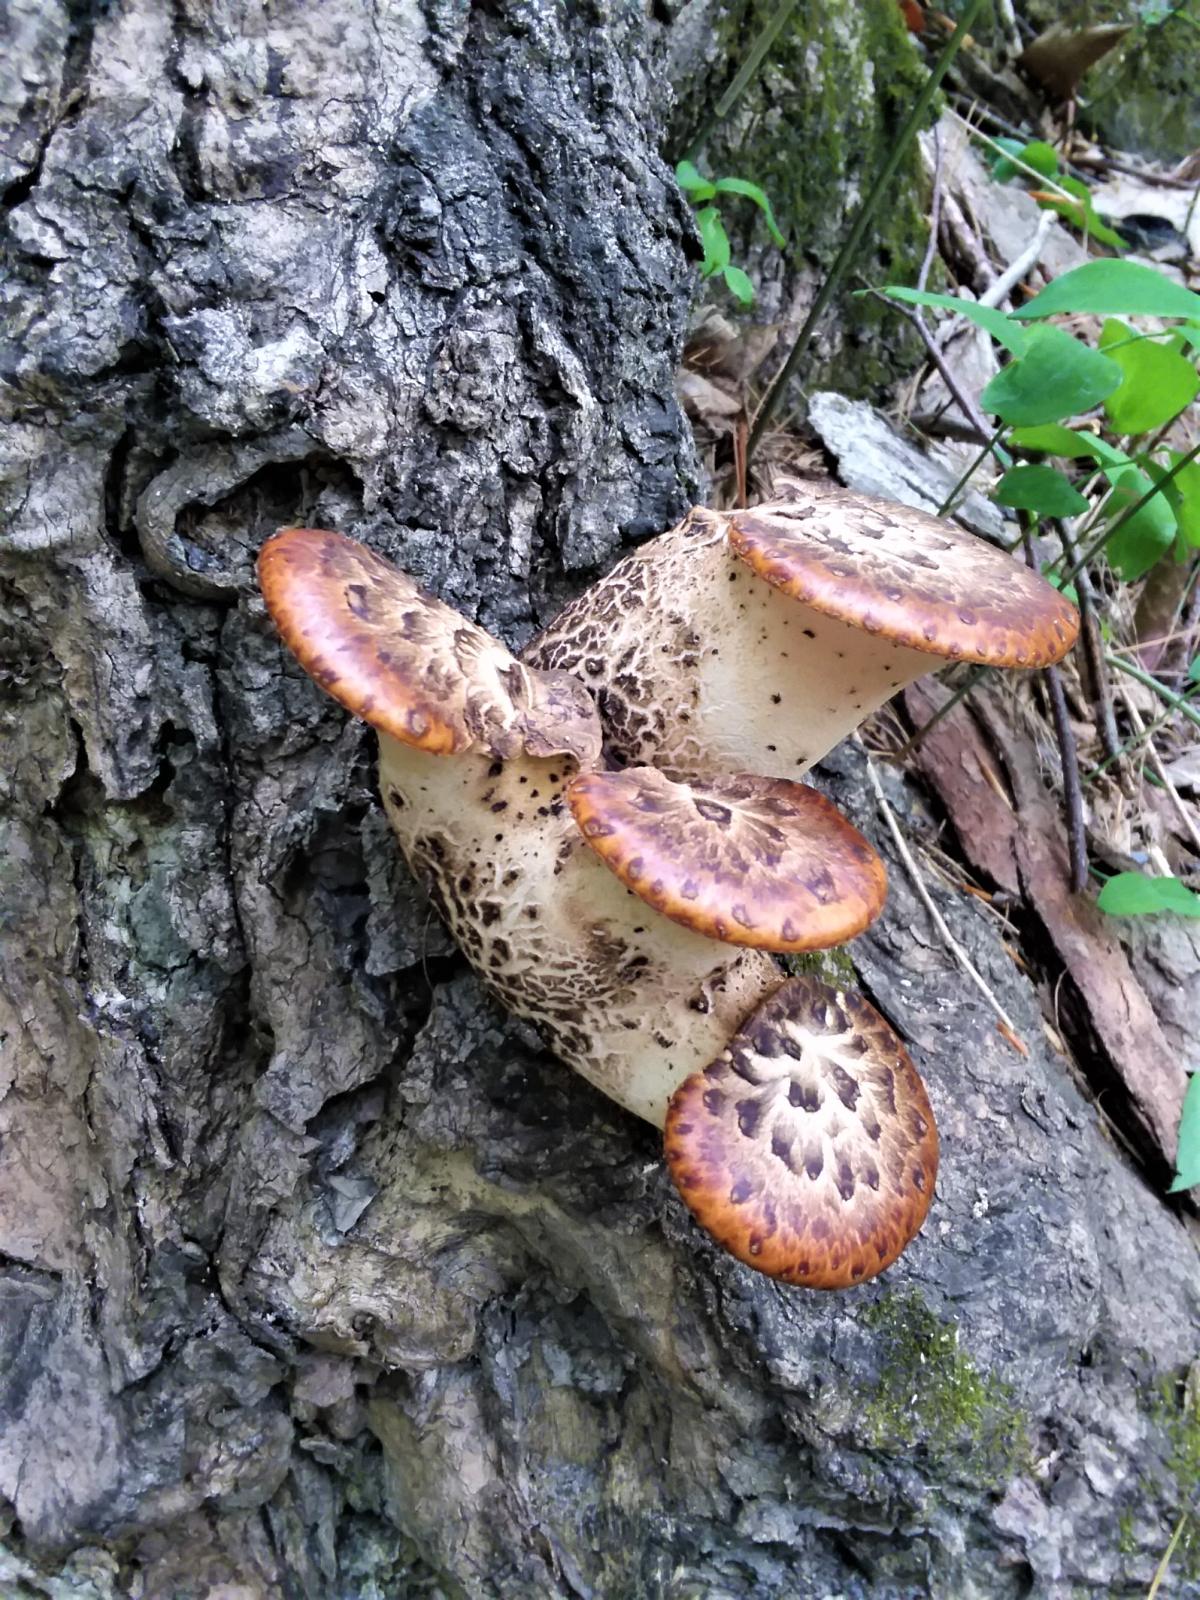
[
  {"x": 700, "y": 191},
  {"x": 1069, "y": 197},
  {"x": 1145, "y": 497},
  {"x": 1141, "y": 380}
]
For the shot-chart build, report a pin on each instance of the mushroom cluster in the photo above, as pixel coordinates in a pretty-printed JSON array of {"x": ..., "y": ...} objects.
[{"x": 621, "y": 876}]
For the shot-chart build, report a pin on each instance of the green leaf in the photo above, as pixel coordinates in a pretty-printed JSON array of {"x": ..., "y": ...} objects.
[
  {"x": 1187, "y": 1156},
  {"x": 1055, "y": 579},
  {"x": 1041, "y": 156},
  {"x": 739, "y": 285},
  {"x": 1035, "y": 153},
  {"x": 715, "y": 240},
  {"x": 1076, "y": 445},
  {"x": 1148, "y": 534},
  {"x": 1041, "y": 489},
  {"x": 1080, "y": 212},
  {"x": 998, "y": 323},
  {"x": 1113, "y": 289},
  {"x": 1187, "y": 498},
  {"x": 751, "y": 191},
  {"x": 1133, "y": 894},
  {"x": 1002, "y": 168},
  {"x": 1157, "y": 385},
  {"x": 1057, "y": 377},
  {"x": 1193, "y": 671},
  {"x": 693, "y": 183}
]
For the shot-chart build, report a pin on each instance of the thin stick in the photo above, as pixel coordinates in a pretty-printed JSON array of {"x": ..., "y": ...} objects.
[
  {"x": 935, "y": 212},
  {"x": 1093, "y": 651},
  {"x": 974, "y": 678},
  {"x": 858, "y": 229},
  {"x": 966, "y": 404},
  {"x": 1072, "y": 788},
  {"x": 1067, "y": 753},
  {"x": 1022, "y": 166},
  {"x": 923, "y": 895},
  {"x": 1155, "y": 760},
  {"x": 1001, "y": 287},
  {"x": 745, "y": 73}
]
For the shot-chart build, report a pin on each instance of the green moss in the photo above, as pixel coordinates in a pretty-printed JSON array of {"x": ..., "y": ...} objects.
[
  {"x": 812, "y": 130},
  {"x": 831, "y": 966},
  {"x": 932, "y": 1397},
  {"x": 1126, "y": 1534},
  {"x": 1176, "y": 1410}
]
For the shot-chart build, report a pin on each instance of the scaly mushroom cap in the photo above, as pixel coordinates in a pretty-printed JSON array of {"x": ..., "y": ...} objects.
[
  {"x": 808, "y": 1147},
  {"x": 904, "y": 575},
  {"x": 408, "y": 664},
  {"x": 750, "y": 861}
]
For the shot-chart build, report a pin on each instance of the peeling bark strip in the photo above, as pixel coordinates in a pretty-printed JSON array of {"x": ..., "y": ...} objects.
[{"x": 316, "y": 1276}]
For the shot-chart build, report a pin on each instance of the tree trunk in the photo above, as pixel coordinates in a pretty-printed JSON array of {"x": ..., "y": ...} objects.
[{"x": 318, "y": 1277}]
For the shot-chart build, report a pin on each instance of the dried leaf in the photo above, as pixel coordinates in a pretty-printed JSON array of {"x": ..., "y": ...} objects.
[
  {"x": 1029, "y": 838},
  {"x": 1058, "y": 58}
]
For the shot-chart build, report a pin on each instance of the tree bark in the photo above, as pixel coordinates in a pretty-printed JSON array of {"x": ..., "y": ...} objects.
[{"x": 318, "y": 1277}]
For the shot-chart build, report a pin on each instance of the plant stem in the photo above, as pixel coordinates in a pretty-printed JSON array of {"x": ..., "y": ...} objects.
[
  {"x": 951, "y": 499},
  {"x": 974, "y": 677},
  {"x": 745, "y": 73},
  {"x": 1160, "y": 1571},
  {"x": 853, "y": 240},
  {"x": 1180, "y": 704}
]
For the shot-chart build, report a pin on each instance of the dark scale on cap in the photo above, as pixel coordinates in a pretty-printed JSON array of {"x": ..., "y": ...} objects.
[
  {"x": 912, "y": 579},
  {"x": 831, "y": 1174},
  {"x": 761, "y": 862}
]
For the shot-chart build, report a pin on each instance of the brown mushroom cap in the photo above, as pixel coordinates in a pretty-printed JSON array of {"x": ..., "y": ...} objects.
[
  {"x": 904, "y": 575},
  {"x": 410, "y": 665},
  {"x": 808, "y": 1147},
  {"x": 750, "y": 861}
]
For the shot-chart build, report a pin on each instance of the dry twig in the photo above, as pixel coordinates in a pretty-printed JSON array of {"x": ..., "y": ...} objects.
[
  {"x": 1160, "y": 772},
  {"x": 1068, "y": 755},
  {"x": 935, "y": 916}
]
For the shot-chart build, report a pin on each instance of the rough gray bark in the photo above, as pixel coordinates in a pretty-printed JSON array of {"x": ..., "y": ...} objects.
[{"x": 317, "y": 1277}]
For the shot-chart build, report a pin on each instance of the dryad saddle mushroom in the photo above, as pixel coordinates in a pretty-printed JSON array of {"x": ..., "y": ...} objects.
[
  {"x": 629, "y": 916},
  {"x": 757, "y": 640}
]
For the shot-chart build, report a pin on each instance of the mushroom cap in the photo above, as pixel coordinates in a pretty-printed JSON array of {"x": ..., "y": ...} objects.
[
  {"x": 750, "y": 861},
  {"x": 904, "y": 575},
  {"x": 808, "y": 1147},
  {"x": 410, "y": 665}
]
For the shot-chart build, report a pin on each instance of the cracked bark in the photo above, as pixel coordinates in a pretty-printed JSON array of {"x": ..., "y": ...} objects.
[{"x": 317, "y": 1276}]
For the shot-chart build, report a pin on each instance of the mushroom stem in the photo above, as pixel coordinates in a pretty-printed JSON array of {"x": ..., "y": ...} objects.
[
  {"x": 631, "y": 1000},
  {"x": 796, "y": 1128},
  {"x": 700, "y": 667}
]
